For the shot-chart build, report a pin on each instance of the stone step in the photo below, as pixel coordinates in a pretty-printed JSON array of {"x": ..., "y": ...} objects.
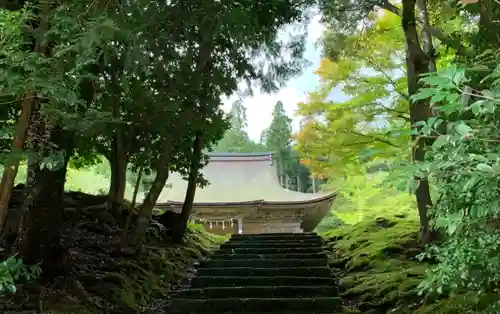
[
  {"x": 270, "y": 256},
  {"x": 259, "y": 292},
  {"x": 256, "y": 305},
  {"x": 263, "y": 263},
  {"x": 228, "y": 281},
  {"x": 259, "y": 250},
  {"x": 271, "y": 244},
  {"x": 270, "y": 272}
]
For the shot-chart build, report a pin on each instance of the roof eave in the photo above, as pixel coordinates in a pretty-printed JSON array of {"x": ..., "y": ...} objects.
[{"x": 322, "y": 199}]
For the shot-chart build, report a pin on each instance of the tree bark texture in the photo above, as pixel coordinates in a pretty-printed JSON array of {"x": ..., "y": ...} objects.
[
  {"x": 12, "y": 165},
  {"x": 146, "y": 209},
  {"x": 118, "y": 183},
  {"x": 125, "y": 239},
  {"x": 181, "y": 226},
  {"x": 43, "y": 222},
  {"x": 417, "y": 64}
]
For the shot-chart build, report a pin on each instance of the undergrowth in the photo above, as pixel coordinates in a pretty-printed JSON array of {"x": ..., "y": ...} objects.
[
  {"x": 377, "y": 261},
  {"x": 132, "y": 284},
  {"x": 380, "y": 273}
]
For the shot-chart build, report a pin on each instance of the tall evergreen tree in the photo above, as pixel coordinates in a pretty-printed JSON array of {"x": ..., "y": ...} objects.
[
  {"x": 278, "y": 137},
  {"x": 236, "y": 139}
]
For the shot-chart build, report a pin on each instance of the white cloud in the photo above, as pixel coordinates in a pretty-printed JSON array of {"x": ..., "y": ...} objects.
[{"x": 260, "y": 105}]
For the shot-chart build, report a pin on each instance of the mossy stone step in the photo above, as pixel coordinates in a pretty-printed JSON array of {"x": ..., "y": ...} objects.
[
  {"x": 268, "y": 271},
  {"x": 259, "y": 305},
  {"x": 270, "y": 256},
  {"x": 270, "y": 244},
  {"x": 259, "y": 292},
  {"x": 229, "y": 281},
  {"x": 272, "y": 250},
  {"x": 263, "y": 263}
]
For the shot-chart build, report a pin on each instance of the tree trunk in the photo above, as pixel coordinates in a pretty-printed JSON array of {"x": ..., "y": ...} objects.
[
  {"x": 427, "y": 45},
  {"x": 146, "y": 210},
  {"x": 118, "y": 163},
  {"x": 125, "y": 239},
  {"x": 13, "y": 221},
  {"x": 181, "y": 226},
  {"x": 118, "y": 159},
  {"x": 12, "y": 164},
  {"x": 43, "y": 222},
  {"x": 417, "y": 64},
  {"x": 27, "y": 106}
]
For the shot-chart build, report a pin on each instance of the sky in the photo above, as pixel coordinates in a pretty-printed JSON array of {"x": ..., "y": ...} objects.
[{"x": 260, "y": 105}]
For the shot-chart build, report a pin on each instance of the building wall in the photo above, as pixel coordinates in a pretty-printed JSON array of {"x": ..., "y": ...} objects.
[
  {"x": 217, "y": 228},
  {"x": 255, "y": 227}
]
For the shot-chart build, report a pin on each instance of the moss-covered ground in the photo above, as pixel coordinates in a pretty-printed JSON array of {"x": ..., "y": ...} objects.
[
  {"x": 140, "y": 283},
  {"x": 379, "y": 272}
]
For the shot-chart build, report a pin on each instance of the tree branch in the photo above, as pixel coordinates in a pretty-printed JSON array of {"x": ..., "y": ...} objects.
[
  {"x": 434, "y": 32},
  {"x": 400, "y": 114},
  {"x": 387, "y": 76},
  {"x": 375, "y": 139}
]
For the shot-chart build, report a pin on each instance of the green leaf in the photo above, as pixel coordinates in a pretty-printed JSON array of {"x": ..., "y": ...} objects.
[
  {"x": 489, "y": 106},
  {"x": 424, "y": 93},
  {"x": 459, "y": 76},
  {"x": 487, "y": 93},
  {"x": 463, "y": 129},
  {"x": 476, "y": 108},
  {"x": 435, "y": 80},
  {"x": 484, "y": 168},
  {"x": 440, "y": 141},
  {"x": 478, "y": 157}
]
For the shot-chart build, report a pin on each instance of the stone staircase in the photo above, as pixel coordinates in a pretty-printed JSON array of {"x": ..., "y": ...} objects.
[{"x": 263, "y": 273}]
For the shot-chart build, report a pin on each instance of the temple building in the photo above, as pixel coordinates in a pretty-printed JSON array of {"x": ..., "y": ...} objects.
[{"x": 244, "y": 196}]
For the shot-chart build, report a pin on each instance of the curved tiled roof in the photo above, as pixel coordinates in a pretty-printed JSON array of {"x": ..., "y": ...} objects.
[{"x": 238, "y": 178}]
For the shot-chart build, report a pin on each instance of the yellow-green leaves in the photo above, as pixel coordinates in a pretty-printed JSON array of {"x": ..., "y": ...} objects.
[{"x": 369, "y": 72}]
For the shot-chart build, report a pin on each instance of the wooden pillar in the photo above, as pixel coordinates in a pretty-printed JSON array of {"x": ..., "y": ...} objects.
[{"x": 240, "y": 225}]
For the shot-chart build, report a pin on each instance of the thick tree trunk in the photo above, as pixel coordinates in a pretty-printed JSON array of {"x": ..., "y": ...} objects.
[
  {"x": 417, "y": 64},
  {"x": 118, "y": 164},
  {"x": 43, "y": 222},
  {"x": 180, "y": 228},
  {"x": 118, "y": 159},
  {"x": 146, "y": 210}
]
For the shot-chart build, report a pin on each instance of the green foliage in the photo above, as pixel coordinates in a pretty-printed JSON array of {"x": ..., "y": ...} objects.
[
  {"x": 464, "y": 165},
  {"x": 236, "y": 138},
  {"x": 12, "y": 270},
  {"x": 381, "y": 271},
  {"x": 365, "y": 196},
  {"x": 331, "y": 221},
  {"x": 373, "y": 122}
]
